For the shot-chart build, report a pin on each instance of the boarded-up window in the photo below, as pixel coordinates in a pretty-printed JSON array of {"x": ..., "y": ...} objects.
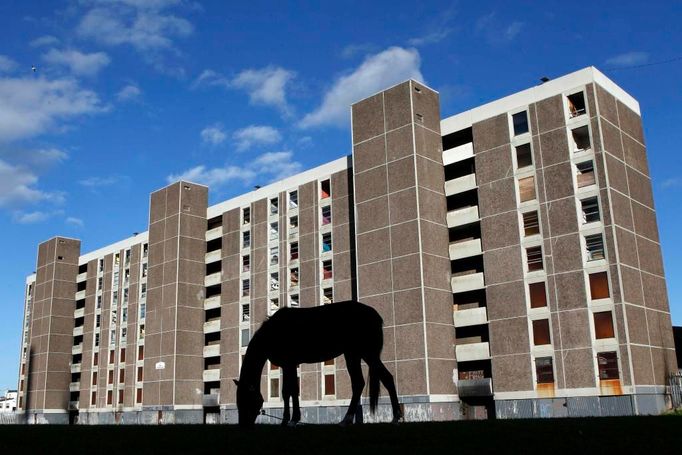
[
  {"x": 524, "y": 156},
  {"x": 138, "y": 398},
  {"x": 140, "y": 353},
  {"x": 120, "y": 397},
  {"x": 95, "y": 358},
  {"x": 590, "y": 209},
  {"x": 594, "y": 246},
  {"x": 531, "y": 225},
  {"x": 599, "y": 285},
  {"x": 111, "y": 377},
  {"x": 123, "y": 355},
  {"x": 534, "y": 258},
  {"x": 121, "y": 376},
  {"x": 274, "y": 388},
  {"x": 139, "y": 374},
  {"x": 527, "y": 189},
  {"x": 541, "y": 332},
  {"x": 111, "y": 356},
  {"x": 329, "y": 386},
  {"x": 538, "y": 296},
  {"x": 607, "y": 363},
  {"x": 93, "y": 398},
  {"x": 603, "y": 325},
  {"x": 110, "y": 396},
  {"x": 585, "y": 173},
  {"x": 544, "y": 371},
  {"x": 94, "y": 378}
]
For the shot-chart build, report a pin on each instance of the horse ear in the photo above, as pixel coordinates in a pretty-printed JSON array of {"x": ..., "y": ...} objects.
[{"x": 236, "y": 382}]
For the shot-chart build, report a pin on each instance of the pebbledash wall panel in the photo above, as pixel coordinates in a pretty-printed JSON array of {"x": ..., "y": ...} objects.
[{"x": 512, "y": 251}]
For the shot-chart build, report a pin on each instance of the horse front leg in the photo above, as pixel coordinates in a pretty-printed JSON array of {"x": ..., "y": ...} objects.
[
  {"x": 290, "y": 390},
  {"x": 357, "y": 382}
]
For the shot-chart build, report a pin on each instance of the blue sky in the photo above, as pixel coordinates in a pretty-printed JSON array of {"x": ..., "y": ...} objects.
[{"x": 130, "y": 94}]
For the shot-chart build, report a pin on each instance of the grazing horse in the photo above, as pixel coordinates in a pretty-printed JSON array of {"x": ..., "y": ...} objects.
[{"x": 293, "y": 336}]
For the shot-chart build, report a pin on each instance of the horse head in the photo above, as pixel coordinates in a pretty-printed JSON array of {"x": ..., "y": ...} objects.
[{"x": 249, "y": 403}]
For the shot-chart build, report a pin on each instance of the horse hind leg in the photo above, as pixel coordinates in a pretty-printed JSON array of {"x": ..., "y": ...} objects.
[
  {"x": 377, "y": 367},
  {"x": 357, "y": 385}
]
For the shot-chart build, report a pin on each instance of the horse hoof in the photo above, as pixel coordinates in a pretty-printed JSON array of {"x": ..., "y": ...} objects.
[{"x": 292, "y": 424}]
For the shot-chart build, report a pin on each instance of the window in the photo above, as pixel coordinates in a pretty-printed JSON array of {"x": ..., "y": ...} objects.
[
  {"x": 293, "y": 300},
  {"x": 246, "y": 310},
  {"x": 599, "y": 286},
  {"x": 527, "y": 189},
  {"x": 585, "y": 174},
  {"x": 245, "y": 338},
  {"x": 117, "y": 259},
  {"x": 121, "y": 375},
  {"x": 124, "y": 314},
  {"x": 141, "y": 332},
  {"x": 603, "y": 325},
  {"x": 274, "y": 255},
  {"x": 581, "y": 139},
  {"x": 534, "y": 258},
  {"x": 326, "y": 242},
  {"x": 99, "y": 283},
  {"x": 274, "y": 387},
  {"x": 98, "y": 320},
  {"x": 293, "y": 277},
  {"x": 607, "y": 362},
  {"x": 594, "y": 245},
  {"x": 246, "y": 263},
  {"x": 111, "y": 377},
  {"x": 140, "y": 352},
  {"x": 325, "y": 189},
  {"x": 97, "y": 339},
  {"x": 246, "y": 239},
  {"x": 327, "y": 295},
  {"x": 544, "y": 371},
  {"x": 274, "y": 281},
  {"x": 143, "y": 291},
  {"x": 326, "y": 215},
  {"x": 143, "y": 310},
  {"x": 274, "y": 231},
  {"x": 145, "y": 250},
  {"x": 293, "y": 251},
  {"x": 246, "y": 215},
  {"x": 111, "y": 356},
  {"x": 329, "y": 388},
  {"x": 293, "y": 199},
  {"x": 590, "y": 209},
  {"x": 99, "y": 301},
  {"x": 576, "y": 104},
  {"x": 93, "y": 398},
  {"x": 112, "y": 337},
  {"x": 520, "y": 123},
  {"x": 531, "y": 225},
  {"x": 100, "y": 265},
  {"x": 110, "y": 396},
  {"x": 144, "y": 270},
  {"x": 127, "y": 257},
  {"x": 327, "y": 270},
  {"x": 274, "y": 305},
  {"x": 524, "y": 157},
  {"x": 124, "y": 335},
  {"x": 293, "y": 222},
  {"x": 246, "y": 287},
  {"x": 138, "y": 397},
  {"x": 120, "y": 397},
  {"x": 538, "y": 295},
  {"x": 94, "y": 378},
  {"x": 274, "y": 206},
  {"x": 139, "y": 374},
  {"x": 541, "y": 332},
  {"x": 95, "y": 358}
]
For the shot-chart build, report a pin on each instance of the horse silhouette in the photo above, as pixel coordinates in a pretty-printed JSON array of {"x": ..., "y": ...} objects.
[{"x": 293, "y": 336}]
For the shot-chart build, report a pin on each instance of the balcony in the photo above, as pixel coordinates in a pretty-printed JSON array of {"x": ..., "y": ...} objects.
[
  {"x": 212, "y": 375},
  {"x": 214, "y": 233},
  {"x": 458, "y": 153},
  {"x": 76, "y": 368},
  {"x": 475, "y": 387},
  {"x": 213, "y": 256},
  {"x": 469, "y": 282},
  {"x": 472, "y": 351},
  {"x": 212, "y": 302},
  {"x": 81, "y": 277},
  {"x": 472, "y": 316},
  {"x": 78, "y": 331},
  {"x": 77, "y": 349},
  {"x": 75, "y": 387},
  {"x": 460, "y": 184},
  {"x": 79, "y": 313},
  {"x": 211, "y": 400},
  {"x": 73, "y": 405},
  {"x": 462, "y": 216},
  {"x": 212, "y": 279},
  {"x": 468, "y": 248},
  {"x": 212, "y": 326},
  {"x": 212, "y": 350},
  {"x": 80, "y": 295}
]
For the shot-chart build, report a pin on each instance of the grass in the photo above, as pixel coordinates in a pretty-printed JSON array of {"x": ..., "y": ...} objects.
[{"x": 589, "y": 435}]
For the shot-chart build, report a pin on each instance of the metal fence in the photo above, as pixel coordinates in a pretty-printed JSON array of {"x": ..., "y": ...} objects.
[
  {"x": 675, "y": 383},
  {"x": 8, "y": 418}
]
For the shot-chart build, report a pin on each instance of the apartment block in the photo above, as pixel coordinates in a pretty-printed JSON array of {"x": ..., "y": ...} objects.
[{"x": 512, "y": 251}]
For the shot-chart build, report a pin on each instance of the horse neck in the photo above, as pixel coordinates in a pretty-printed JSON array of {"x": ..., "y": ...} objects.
[{"x": 254, "y": 360}]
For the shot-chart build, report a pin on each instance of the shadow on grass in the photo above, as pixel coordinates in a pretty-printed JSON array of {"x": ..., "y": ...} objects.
[{"x": 590, "y": 435}]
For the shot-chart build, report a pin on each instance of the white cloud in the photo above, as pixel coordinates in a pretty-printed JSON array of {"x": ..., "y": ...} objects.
[
  {"x": 265, "y": 168},
  {"x": 31, "y": 106},
  {"x": 74, "y": 221},
  {"x": 672, "y": 182},
  {"x": 213, "y": 135},
  {"x": 376, "y": 73},
  {"x": 128, "y": 93},
  {"x": 435, "y": 36},
  {"x": 96, "y": 182},
  {"x": 628, "y": 59},
  {"x": 79, "y": 63},
  {"x": 18, "y": 186},
  {"x": 496, "y": 32},
  {"x": 6, "y": 64},
  {"x": 265, "y": 86},
  {"x": 30, "y": 217},
  {"x": 354, "y": 49},
  {"x": 253, "y": 135},
  {"x": 45, "y": 40}
]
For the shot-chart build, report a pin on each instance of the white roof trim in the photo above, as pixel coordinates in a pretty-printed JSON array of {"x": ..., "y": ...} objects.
[{"x": 114, "y": 247}]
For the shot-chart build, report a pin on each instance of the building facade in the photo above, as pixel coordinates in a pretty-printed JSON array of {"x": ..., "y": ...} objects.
[{"x": 512, "y": 251}]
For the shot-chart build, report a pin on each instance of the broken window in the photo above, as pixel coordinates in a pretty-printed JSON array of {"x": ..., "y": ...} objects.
[
  {"x": 531, "y": 225},
  {"x": 326, "y": 215},
  {"x": 246, "y": 310},
  {"x": 534, "y": 258},
  {"x": 293, "y": 251},
  {"x": 608, "y": 365},
  {"x": 246, "y": 287},
  {"x": 144, "y": 270},
  {"x": 538, "y": 295},
  {"x": 246, "y": 215},
  {"x": 326, "y": 242},
  {"x": 527, "y": 189},
  {"x": 544, "y": 371},
  {"x": 293, "y": 300},
  {"x": 246, "y": 239},
  {"x": 599, "y": 286},
  {"x": 274, "y": 206},
  {"x": 325, "y": 189},
  {"x": 581, "y": 139},
  {"x": 274, "y": 281},
  {"x": 140, "y": 334},
  {"x": 293, "y": 277},
  {"x": 520, "y": 122},
  {"x": 274, "y": 255},
  {"x": 293, "y": 222},
  {"x": 100, "y": 266},
  {"x": 585, "y": 174},
  {"x": 590, "y": 209},
  {"x": 576, "y": 104},
  {"x": 327, "y": 270},
  {"x": 274, "y": 231},
  {"x": 541, "y": 332},
  {"x": 246, "y": 263},
  {"x": 524, "y": 157},
  {"x": 327, "y": 295},
  {"x": 603, "y": 325},
  {"x": 594, "y": 245},
  {"x": 274, "y": 305},
  {"x": 145, "y": 250},
  {"x": 293, "y": 199}
]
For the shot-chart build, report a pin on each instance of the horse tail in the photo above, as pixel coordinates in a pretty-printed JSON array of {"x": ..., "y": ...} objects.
[
  {"x": 375, "y": 365},
  {"x": 373, "y": 388}
]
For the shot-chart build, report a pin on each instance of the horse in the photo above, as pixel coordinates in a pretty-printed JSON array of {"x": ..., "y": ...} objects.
[{"x": 293, "y": 336}]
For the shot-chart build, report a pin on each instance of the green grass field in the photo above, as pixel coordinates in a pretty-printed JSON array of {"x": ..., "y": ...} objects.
[{"x": 652, "y": 435}]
